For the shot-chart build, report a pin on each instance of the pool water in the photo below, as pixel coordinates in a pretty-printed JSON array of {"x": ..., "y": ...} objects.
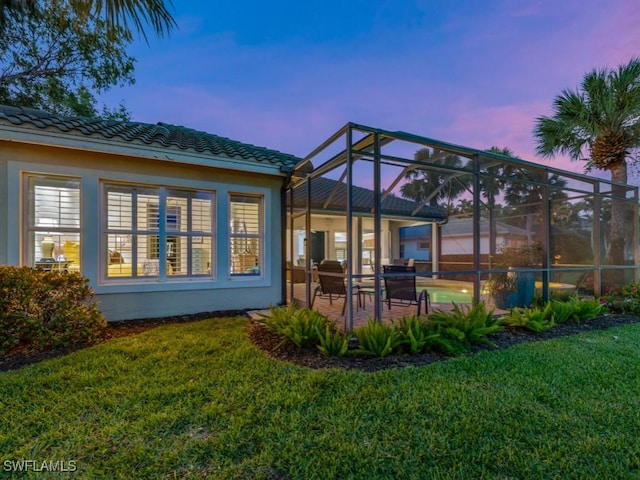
[
  {"x": 446, "y": 292},
  {"x": 448, "y": 295}
]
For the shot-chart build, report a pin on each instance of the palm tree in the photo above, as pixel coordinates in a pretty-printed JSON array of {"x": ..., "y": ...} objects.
[
  {"x": 116, "y": 13},
  {"x": 526, "y": 198},
  {"x": 601, "y": 119},
  {"x": 492, "y": 187},
  {"x": 519, "y": 194},
  {"x": 464, "y": 208},
  {"x": 430, "y": 185}
]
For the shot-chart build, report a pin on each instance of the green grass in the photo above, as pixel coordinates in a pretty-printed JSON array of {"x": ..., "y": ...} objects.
[{"x": 200, "y": 401}]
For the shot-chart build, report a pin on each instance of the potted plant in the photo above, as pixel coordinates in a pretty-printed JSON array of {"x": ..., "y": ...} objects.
[
  {"x": 515, "y": 286},
  {"x": 503, "y": 288}
]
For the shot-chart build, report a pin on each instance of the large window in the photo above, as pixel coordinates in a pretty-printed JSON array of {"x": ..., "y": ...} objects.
[
  {"x": 246, "y": 234},
  {"x": 145, "y": 224},
  {"x": 53, "y": 222}
]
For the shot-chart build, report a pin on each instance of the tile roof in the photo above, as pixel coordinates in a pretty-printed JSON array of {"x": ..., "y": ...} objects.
[
  {"x": 325, "y": 189},
  {"x": 159, "y": 135}
]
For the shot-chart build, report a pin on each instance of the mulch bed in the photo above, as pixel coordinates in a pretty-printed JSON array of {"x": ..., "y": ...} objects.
[{"x": 312, "y": 358}]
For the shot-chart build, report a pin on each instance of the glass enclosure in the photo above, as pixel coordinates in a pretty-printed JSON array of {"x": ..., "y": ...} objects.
[{"x": 471, "y": 225}]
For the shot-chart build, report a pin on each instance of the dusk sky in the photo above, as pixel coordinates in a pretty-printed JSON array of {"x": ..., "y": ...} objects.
[{"x": 287, "y": 74}]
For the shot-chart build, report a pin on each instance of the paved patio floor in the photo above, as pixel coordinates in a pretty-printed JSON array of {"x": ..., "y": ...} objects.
[{"x": 333, "y": 308}]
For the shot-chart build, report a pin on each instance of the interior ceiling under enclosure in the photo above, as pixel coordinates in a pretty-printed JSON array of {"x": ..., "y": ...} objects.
[{"x": 369, "y": 198}]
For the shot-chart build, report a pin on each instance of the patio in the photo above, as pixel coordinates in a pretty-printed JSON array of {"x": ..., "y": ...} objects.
[{"x": 364, "y": 308}]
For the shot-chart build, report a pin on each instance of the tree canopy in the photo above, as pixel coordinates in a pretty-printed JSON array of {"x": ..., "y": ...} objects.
[
  {"x": 58, "y": 60},
  {"x": 118, "y": 15},
  {"x": 430, "y": 185},
  {"x": 598, "y": 122}
]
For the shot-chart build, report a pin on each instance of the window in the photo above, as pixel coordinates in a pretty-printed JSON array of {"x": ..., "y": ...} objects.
[
  {"x": 246, "y": 235},
  {"x": 145, "y": 224},
  {"x": 424, "y": 245},
  {"x": 53, "y": 222}
]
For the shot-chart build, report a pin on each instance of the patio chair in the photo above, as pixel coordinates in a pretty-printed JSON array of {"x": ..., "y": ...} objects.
[
  {"x": 333, "y": 265},
  {"x": 331, "y": 280},
  {"x": 401, "y": 289}
]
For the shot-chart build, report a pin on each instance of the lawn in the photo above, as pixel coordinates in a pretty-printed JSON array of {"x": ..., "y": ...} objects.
[{"x": 198, "y": 400}]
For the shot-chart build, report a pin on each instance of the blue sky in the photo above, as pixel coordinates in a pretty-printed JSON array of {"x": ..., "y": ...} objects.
[{"x": 287, "y": 74}]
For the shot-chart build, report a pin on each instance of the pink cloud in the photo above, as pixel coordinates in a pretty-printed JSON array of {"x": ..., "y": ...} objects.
[
  {"x": 621, "y": 36},
  {"x": 483, "y": 86},
  {"x": 509, "y": 126}
]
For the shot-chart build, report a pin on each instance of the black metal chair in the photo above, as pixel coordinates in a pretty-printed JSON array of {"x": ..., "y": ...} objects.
[
  {"x": 400, "y": 289},
  {"x": 331, "y": 280}
]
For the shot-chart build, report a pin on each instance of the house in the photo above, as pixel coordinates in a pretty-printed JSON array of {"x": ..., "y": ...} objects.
[
  {"x": 327, "y": 199},
  {"x": 164, "y": 220},
  {"x": 415, "y": 242},
  {"x": 111, "y": 199},
  {"x": 457, "y": 236}
]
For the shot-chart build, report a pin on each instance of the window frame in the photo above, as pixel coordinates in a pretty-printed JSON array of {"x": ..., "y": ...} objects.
[
  {"x": 162, "y": 230},
  {"x": 260, "y": 236},
  {"x": 30, "y": 228}
]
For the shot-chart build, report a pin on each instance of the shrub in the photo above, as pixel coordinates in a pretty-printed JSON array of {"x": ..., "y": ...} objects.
[
  {"x": 301, "y": 326},
  {"x": 467, "y": 325},
  {"x": 277, "y": 320},
  {"x": 537, "y": 319},
  {"x": 42, "y": 310},
  {"x": 533, "y": 319},
  {"x": 376, "y": 339},
  {"x": 585, "y": 309},
  {"x": 625, "y": 299},
  {"x": 560, "y": 311},
  {"x": 333, "y": 343},
  {"x": 417, "y": 334},
  {"x": 562, "y": 296}
]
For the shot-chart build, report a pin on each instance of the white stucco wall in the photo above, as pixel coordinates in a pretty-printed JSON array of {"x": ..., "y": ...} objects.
[{"x": 463, "y": 244}]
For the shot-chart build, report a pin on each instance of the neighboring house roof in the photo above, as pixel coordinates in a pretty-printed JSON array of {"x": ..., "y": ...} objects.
[
  {"x": 464, "y": 227},
  {"x": 331, "y": 195},
  {"x": 162, "y": 135}
]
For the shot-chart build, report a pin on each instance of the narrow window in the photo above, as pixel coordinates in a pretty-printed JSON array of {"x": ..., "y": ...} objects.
[
  {"x": 246, "y": 235},
  {"x": 53, "y": 222}
]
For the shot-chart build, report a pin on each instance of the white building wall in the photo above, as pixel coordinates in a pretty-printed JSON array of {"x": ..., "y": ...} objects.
[
  {"x": 131, "y": 299},
  {"x": 457, "y": 245}
]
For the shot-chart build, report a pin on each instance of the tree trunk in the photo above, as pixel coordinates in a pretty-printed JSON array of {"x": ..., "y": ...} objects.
[
  {"x": 493, "y": 236},
  {"x": 618, "y": 205}
]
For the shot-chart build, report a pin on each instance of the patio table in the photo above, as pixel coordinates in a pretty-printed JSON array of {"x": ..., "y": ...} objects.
[{"x": 368, "y": 291}]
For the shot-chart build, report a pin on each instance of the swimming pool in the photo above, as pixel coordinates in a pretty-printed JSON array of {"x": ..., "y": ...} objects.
[
  {"x": 449, "y": 292},
  {"x": 449, "y": 295},
  {"x": 440, "y": 291}
]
